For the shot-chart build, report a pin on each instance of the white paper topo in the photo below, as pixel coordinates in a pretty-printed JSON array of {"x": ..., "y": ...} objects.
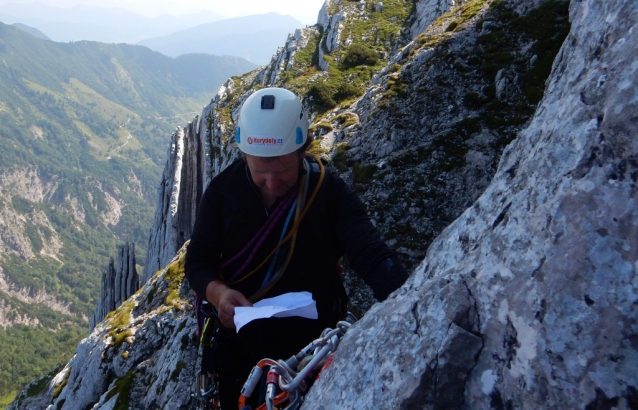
[{"x": 289, "y": 304}]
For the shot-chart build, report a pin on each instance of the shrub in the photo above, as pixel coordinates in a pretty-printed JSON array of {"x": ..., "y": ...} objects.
[
  {"x": 346, "y": 91},
  {"x": 358, "y": 54},
  {"x": 363, "y": 173},
  {"x": 473, "y": 101},
  {"x": 322, "y": 95}
]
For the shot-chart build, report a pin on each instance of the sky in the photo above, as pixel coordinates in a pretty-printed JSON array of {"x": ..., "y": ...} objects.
[{"x": 303, "y": 10}]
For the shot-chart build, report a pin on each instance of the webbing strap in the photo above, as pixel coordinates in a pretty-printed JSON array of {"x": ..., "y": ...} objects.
[{"x": 260, "y": 237}]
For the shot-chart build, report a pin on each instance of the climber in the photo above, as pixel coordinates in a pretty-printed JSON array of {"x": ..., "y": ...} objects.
[{"x": 273, "y": 222}]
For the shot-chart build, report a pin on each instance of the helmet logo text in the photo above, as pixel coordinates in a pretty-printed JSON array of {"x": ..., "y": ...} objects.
[{"x": 264, "y": 141}]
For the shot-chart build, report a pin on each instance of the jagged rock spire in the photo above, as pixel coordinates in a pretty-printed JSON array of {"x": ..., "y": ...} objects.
[
  {"x": 119, "y": 281},
  {"x": 178, "y": 196}
]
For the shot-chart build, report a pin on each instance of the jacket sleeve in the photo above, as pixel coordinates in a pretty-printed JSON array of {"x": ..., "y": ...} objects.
[
  {"x": 204, "y": 250},
  {"x": 368, "y": 255}
]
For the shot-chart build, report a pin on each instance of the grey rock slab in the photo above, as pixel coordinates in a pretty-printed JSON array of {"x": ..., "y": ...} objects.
[
  {"x": 548, "y": 256},
  {"x": 178, "y": 196}
]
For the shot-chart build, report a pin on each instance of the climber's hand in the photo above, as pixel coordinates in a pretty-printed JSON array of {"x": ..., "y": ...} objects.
[{"x": 225, "y": 300}]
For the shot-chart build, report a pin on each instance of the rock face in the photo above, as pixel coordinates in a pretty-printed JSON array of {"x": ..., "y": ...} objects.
[
  {"x": 529, "y": 299},
  {"x": 429, "y": 10},
  {"x": 424, "y": 140},
  {"x": 178, "y": 196},
  {"x": 119, "y": 281}
]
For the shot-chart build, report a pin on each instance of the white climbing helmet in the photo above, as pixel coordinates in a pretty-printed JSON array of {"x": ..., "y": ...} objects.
[{"x": 271, "y": 123}]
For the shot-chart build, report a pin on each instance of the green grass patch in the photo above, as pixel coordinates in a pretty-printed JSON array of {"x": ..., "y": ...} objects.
[
  {"x": 173, "y": 278},
  {"x": 363, "y": 173},
  {"x": 60, "y": 386},
  {"x": 315, "y": 148},
  {"x": 7, "y": 398},
  {"x": 39, "y": 386},
  {"x": 347, "y": 119},
  {"x": 118, "y": 320},
  {"x": 340, "y": 159}
]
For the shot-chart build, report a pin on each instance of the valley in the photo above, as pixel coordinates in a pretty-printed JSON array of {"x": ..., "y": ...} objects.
[{"x": 84, "y": 128}]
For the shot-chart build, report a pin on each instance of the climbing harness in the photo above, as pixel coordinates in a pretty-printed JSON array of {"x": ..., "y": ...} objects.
[{"x": 287, "y": 382}]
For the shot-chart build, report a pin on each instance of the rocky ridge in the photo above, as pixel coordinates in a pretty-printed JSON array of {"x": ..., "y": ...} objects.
[
  {"x": 417, "y": 156},
  {"x": 119, "y": 281},
  {"x": 528, "y": 300},
  {"x": 475, "y": 324}
]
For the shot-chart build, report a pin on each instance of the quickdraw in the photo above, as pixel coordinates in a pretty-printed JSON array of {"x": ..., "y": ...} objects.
[{"x": 287, "y": 382}]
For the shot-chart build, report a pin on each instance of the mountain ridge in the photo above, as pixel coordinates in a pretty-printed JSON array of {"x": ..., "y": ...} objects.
[
  {"x": 31, "y": 30},
  {"x": 254, "y": 34},
  {"x": 108, "y": 25}
]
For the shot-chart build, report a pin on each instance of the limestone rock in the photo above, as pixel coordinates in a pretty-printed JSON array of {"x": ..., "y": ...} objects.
[
  {"x": 432, "y": 131},
  {"x": 119, "y": 281},
  {"x": 429, "y": 10},
  {"x": 178, "y": 196},
  {"x": 284, "y": 59},
  {"x": 528, "y": 299}
]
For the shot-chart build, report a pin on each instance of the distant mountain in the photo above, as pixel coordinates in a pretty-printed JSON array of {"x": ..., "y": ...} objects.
[
  {"x": 254, "y": 38},
  {"x": 31, "y": 30},
  {"x": 83, "y": 132},
  {"x": 108, "y": 25}
]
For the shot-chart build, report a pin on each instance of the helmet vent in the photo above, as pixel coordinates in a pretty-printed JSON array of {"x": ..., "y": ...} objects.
[{"x": 268, "y": 102}]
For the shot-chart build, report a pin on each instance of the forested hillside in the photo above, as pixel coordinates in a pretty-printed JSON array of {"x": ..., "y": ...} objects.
[{"x": 83, "y": 130}]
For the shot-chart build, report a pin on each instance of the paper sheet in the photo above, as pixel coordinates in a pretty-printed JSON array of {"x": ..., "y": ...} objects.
[{"x": 286, "y": 305}]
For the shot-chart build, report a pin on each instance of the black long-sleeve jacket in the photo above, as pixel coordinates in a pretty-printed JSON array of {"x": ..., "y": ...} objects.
[{"x": 232, "y": 211}]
